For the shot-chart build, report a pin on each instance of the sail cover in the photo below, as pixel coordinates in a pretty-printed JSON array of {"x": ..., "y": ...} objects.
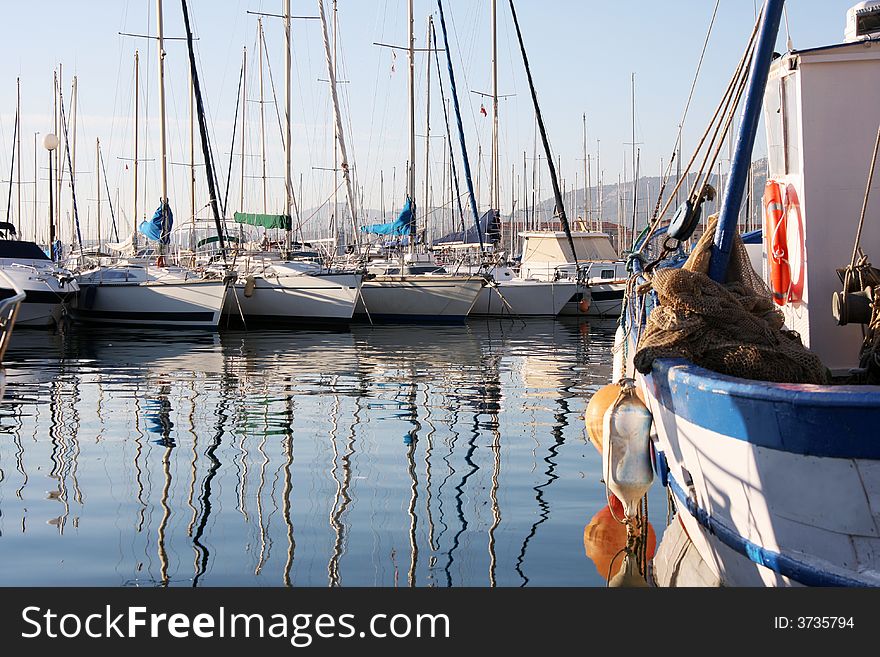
[
  {"x": 153, "y": 229},
  {"x": 490, "y": 229},
  {"x": 282, "y": 221},
  {"x": 403, "y": 225}
]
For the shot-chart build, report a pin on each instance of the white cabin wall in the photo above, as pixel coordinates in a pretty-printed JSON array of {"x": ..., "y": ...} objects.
[{"x": 840, "y": 101}]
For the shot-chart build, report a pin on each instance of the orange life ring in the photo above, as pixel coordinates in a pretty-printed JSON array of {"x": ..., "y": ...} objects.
[
  {"x": 775, "y": 240},
  {"x": 794, "y": 223}
]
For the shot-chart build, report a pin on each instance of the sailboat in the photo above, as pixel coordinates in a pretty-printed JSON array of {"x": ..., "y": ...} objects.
[
  {"x": 275, "y": 288},
  {"x": 140, "y": 292},
  {"x": 412, "y": 286},
  {"x": 26, "y": 267},
  {"x": 508, "y": 293}
]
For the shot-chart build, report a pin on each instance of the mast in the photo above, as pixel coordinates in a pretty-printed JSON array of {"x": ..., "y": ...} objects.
[
  {"x": 203, "y": 133},
  {"x": 428, "y": 119},
  {"x": 635, "y": 180},
  {"x": 163, "y": 163},
  {"x": 59, "y": 161},
  {"x": 18, "y": 144},
  {"x": 262, "y": 115},
  {"x": 411, "y": 173},
  {"x": 346, "y": 174},
  {"x": 243, "y": 124},
  {"x": 496, "y": 185},
  {"x": 464, "y": 155},
  {"x": 192, "y": 164},
  {"x": 73, "y": 94},
  {"x": 746, "y": 139},
  {"x": 335, "y": 217},
  {"x": 588, "y": 192},
  {"x": 98, "y": 185},
  {"x": 600, "y": 222},
  {"x": 288, "y": 146},
  {"x": 560, "y": 205},
  {"x": 36, "y": 186},
  {"x": 134, "y": 238}
]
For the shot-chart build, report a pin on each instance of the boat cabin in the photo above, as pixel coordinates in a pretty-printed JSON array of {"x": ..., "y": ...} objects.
[
  {"x": 547, "y": 255},
  {"x": 821, "y": 115}
]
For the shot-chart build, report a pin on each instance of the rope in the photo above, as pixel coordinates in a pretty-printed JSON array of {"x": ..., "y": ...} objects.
[
  {"x": 464, "y": 155},
  {"x": 720, "y": 109},
  {"x": 865, "y": 202}
]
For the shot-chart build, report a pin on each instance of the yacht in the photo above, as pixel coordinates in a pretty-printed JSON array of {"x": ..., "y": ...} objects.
[
  {"x": 48, "y": 287},
  {"x": 413, "y": 288},
  {"x": 600, "y": 275}
]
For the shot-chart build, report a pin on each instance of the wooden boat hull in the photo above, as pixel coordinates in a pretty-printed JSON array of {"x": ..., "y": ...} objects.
[{"x": 748, "y": 462}]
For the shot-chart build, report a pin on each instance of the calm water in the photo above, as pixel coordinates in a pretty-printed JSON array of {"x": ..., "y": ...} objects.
[{"x": 387, "y": 456}]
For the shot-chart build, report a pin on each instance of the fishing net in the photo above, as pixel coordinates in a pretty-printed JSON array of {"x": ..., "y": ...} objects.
[{"x": 732, "y": 329}]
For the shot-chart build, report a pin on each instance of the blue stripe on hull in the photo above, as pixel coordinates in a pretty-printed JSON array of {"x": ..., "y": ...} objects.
[
  {"x": 787, "y": 566},
  {"x": 825, "y": 421}
]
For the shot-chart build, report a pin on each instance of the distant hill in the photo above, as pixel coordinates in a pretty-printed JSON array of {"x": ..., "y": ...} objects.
[{"x": 614, "y": 203}]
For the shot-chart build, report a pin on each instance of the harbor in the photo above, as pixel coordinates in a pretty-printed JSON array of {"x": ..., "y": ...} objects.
[{"x": 273, "y": 326}]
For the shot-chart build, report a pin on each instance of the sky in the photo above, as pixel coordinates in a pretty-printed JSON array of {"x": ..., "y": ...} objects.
[{"x": 583, "y": 55}]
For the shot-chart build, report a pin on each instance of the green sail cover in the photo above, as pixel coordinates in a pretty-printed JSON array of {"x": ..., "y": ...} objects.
[{"x": 281, "y": 221}]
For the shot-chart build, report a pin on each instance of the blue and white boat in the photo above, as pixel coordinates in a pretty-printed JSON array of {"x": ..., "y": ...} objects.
[{"x": 778, "y": 484}]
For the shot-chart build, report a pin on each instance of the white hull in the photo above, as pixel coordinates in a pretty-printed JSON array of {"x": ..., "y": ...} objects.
[
  {"x": 755, "y": 513},
  {"x": 46, "y": 297},
  {"x": 288, "y": 299},
  {"x": 524, "y": 298},
  {"x": 419, "y": 298},
  {"x": 605, "y": 301},
  {"x": 188, "y": 304}
]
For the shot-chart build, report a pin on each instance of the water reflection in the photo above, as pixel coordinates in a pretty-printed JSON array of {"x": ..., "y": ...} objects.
[{"x": 444, "y": 456}]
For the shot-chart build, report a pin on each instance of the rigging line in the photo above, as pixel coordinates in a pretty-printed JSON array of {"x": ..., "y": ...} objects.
[
  {"x": 232, "y": 147},
  {"x": 109, "y": 198},
  {"x": 464, "y": 155},
  {"x": 718, "y": 111},
  {"x": 278, "y": 116},
  {"x": 203, "y": 130},
  {"x": 666, "y": 175},
  {"x": 70, "y": 166},
  {"x": 865, "y": 203},
  {"x": 12, "y": 168},
  {"x": 448, "y": 129},
  {"x": 560, "y": 207}
]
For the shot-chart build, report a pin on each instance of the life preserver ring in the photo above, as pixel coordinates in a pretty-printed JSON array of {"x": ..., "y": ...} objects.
[
  {"x": 794, "y": 236},
  {"x": 776, "y": 243}
]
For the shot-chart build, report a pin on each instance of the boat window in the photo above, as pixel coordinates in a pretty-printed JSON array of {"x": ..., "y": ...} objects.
[
  {"x": 21, "y": 250},
  {"x": 773, "y": 121},
  {"x": 868, "y": 22},
  {"x": 607, "y": 273},
  {"x": 792, "y": 131}
]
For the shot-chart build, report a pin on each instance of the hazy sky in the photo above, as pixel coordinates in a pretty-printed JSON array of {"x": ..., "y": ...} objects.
[{"x": 583, "y": 54}]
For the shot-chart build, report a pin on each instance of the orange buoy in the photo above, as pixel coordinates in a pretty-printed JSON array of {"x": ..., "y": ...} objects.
[
  {"x": 605, "y": 537},
  {"x": 599, "y": 403},
  {"x": 601, "y": 400},
  {"x": 584, "y": 306}
]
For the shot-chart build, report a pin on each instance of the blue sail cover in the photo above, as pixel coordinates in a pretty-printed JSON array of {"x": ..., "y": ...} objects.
[
  {"x": 490, "y": 230},
  {"x": 403, "y": 225},
  {"x": 153, "y": 229}
]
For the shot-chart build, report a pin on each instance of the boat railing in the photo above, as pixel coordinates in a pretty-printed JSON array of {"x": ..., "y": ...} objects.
[{"x": 9, "y": 311}]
